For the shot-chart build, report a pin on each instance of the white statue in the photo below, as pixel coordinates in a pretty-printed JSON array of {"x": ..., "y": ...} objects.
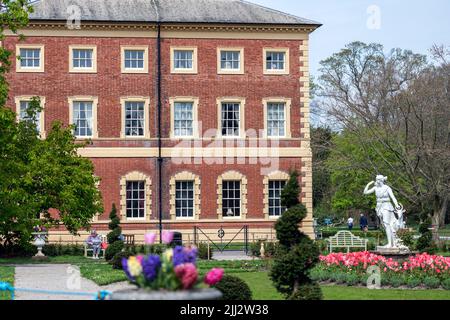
[{"x": 390, "y": 216}]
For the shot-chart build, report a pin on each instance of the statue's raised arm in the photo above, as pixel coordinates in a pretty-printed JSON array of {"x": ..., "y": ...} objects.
[{"x": 367, "y": 190}]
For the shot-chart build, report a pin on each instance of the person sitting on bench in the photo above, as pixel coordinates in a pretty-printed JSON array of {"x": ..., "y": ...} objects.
[{"x": 94, "y": 241}]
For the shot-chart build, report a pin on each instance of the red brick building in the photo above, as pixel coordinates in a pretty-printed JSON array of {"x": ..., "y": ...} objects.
[{"x": 196, "y": 109}]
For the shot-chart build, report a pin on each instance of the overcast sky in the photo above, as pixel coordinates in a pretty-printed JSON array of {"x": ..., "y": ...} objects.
[{"x": 413, "y": 24}]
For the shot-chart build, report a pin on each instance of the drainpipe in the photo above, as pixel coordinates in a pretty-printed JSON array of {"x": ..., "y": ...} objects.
[{"x": 160, "y": 158}]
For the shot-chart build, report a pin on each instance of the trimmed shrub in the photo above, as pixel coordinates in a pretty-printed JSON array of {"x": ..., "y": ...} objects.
[
  {"x": 203, "y": 251},
  {"x": 234, "y": 288},
  {"x": 117, "y": 259},
  {"x": 396, "y": 281},
  {"x": 446, "y": 284},
  {"x": 113, "y": 249},
  {"x": 352, "y": 279},
  {"x": 407, "y": 238},
  {"x": 432, "y": 282},
  {"x": 413, "y": 282},
  {"x": 310, "y": 291}
]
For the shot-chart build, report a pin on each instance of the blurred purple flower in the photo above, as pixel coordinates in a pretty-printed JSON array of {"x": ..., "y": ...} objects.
[
  {"x": 151, "y": 266},
  {"x": 125, "y": 268},
  {"x": 178, "y": 256}
]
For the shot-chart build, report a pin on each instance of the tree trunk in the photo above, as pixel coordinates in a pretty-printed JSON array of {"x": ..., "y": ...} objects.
[{"x": 439, "y": 212}]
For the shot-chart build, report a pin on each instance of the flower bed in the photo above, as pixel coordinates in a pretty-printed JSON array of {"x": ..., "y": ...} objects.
[{"x": 422, "y": 270}]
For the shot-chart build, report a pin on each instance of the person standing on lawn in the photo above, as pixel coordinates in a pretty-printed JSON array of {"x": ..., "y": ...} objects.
[
  {"x": 363, "y": 223},
  {"x": 350, "y": 223}
]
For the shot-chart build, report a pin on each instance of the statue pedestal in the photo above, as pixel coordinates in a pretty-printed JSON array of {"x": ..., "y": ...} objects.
[{"x": 397, "y": 254}]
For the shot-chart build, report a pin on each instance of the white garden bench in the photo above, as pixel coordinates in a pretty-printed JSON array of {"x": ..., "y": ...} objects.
[{"x": 346, "y": 239}]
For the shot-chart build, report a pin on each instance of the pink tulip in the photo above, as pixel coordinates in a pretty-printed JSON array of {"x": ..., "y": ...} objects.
[
  {"x": 150, "y": 238},
  {"x": 167, "y": 237}
]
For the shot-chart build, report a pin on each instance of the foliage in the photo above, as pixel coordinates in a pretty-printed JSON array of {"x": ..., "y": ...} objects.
[
  {"x": 296, "y": 253},
  {"x": 413, "y": 282},
  {"x": 290, "y": 193},
  {"x": 407, "y": 238},
  {"x": 203, "y": 251},
  {"x": 113, "y": 249},
  {"x": 234, "y": 288},
  {"x": 308, "y": 291},
  {"x": 432, "y": 282},
  {"x": 117, "y": 259},
  {"x": 55, "y": 250},
  {"x": 380, "y": 102},
  {"x": 114, "y": 226},
  {"x": 425, "y": 241},
  {"x": 446, "y": 284},
  {"x": 269, "y": 248}
]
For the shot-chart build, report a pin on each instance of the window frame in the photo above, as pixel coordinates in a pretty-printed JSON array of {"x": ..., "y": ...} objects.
[
  {"x": 41, "y": 67},
  {"x": 94, "y": 100},
  {"x": 284, "y": 71},
  {"x": 193, "y": 200},
  {"x": 241, "y": 69},
  {"x": 185, "y": 176},
  {"x": 125, "y": 70},
  {"x": 193, "y": 70},
  {"x": 232, "y": 199},
  {"x": 241, "y": 102},
  {"x": 145, "y": 201},
  {"x": 232, "y": 176},
  {"x": 146, "y": 101},
  {"x": 195, "y": 124},
  {"x": 135, "y": 176},
  {"x": 19, "y": 99},
  {"x": 73, "y": 69},
  {"x": 273, "y": 176},
  {"x": 268, "y": 204},
  {"x": 287, "y": 117}
]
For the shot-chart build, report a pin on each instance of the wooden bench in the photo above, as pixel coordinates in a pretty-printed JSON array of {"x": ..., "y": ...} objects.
[
  {"x": 88, "y": 249},
  {"x": 346, "y": 239}
]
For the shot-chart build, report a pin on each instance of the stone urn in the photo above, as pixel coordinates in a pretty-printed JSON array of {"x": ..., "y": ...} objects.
[
  {"x": 40, "y": 239},
  {"x": 188, "y": 295}
]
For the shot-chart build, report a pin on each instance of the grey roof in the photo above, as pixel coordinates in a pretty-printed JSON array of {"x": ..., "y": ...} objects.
[{"x": 169, "y": 11}]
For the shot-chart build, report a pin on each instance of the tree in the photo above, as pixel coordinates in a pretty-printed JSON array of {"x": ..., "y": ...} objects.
[
  {"x": 42, "y": 181},
  {"x": 394, "y": 106},
  {"x": 321, "y": 140},
  {"x": 296, "y": 253},
  {"x": 115, "y": 244}
]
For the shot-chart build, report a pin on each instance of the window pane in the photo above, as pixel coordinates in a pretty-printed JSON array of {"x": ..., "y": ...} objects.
[
  {"x": 276, "y": 121},
  {"x": 82, "y": 118},
  {"x": 275, "y": 60},
  {"x": 183, "y": 119},
  {"x": 30, "y": 58},
  {"x": 183, "y": 59},
  {"x": 184, "y": 199},
  {"x": 82, "y": 58},
  {"x": 231, "y": 198},
  {"x": 230, "y": 119},
  {"x": 134, "y": 119},
  {"x": 230, "y": 60},
  {"x": 275, "y": 188},
  {"x": 135, "y": 199},
  {"x": 134, "y": 59}
]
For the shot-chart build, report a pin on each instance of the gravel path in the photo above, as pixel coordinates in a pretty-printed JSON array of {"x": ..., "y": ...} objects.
[{"x": 57, "y": 277}]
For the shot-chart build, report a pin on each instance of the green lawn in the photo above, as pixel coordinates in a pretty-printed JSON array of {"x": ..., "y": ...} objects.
[
  {"x": 6, "y": 275},
  {"x": 263, "y": 289}
]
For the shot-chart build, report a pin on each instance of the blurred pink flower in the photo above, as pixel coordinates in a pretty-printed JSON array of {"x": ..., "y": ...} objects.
[
  {"x": 188, "y": 275},
  {"x": 167, "y": 237},
  {"x": 150, "y": 238},
  {"x": 214, "y": 276}
]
